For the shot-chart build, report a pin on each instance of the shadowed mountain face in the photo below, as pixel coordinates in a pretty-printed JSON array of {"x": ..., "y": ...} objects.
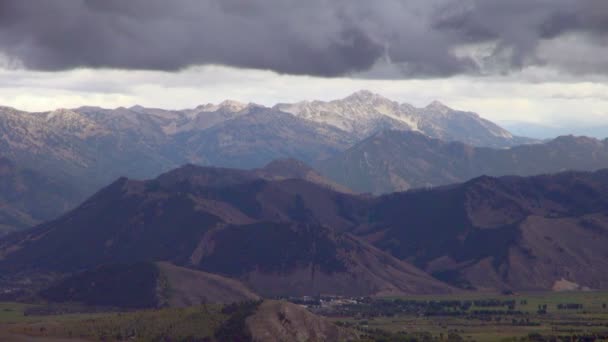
[
  {"x": 129, "y": 286},
  {"x": 396, "y": 161},
  {"x": 279, "y": 169},
  {"x": 293, "y": 237},
  {"x": 509, "y": 232},
  {"x": 230, "y": 222},
  {"x": 28, "y": 197},
  {"x": 146, "y": 285}
]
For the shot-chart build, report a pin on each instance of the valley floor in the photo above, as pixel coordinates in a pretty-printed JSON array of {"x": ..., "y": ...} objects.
[
  {"x": 547, "y": 316},
  {"x": 470, "y": 317}
]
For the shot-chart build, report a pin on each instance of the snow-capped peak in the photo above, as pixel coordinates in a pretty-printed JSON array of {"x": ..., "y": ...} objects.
[
  {"x": 63, "y": 114},
  {"x": 362, "y": 113},
  {"x": 361, "y": 96},
  {"x": 439, "y": 107},
  {"x": 230, "y": 106},
  {"x": 233, "y": 106}
]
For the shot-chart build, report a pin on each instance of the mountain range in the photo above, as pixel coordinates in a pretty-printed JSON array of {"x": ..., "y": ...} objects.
[
  {"x": 365, "y": 113},
  {"x": 294, "y": 237},
  {"x": 77, "y": 151},
  {"x": 363, "y": 143},
  {"x": 256, "y": 221},
  {"x": 95, "y": 145},
  {"x": 279, "y": 237},
  {"x": 395, "y": 161},
  {"x": 549, "y": 131}
]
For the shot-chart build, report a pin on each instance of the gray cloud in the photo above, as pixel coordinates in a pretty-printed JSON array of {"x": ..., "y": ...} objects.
[
  {"x": 312, "y": 37},
  {"x": 523, "y": 31}
]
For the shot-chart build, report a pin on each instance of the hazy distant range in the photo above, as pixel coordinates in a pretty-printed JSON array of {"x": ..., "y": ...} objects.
[{"x": 548, "y": 131}]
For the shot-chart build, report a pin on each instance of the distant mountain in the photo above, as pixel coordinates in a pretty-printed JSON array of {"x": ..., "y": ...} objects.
[
  {"x": 277, "y": 237},
  {"x": 396, "y": 161},
  {"x": 542, "y": 131},
  {"x": 365, "y": 113},
  {"x": 87, "y": 147},
  {"x": 28, "y": 197},
  {"x": 276, "y": 170},
  {"x": 91, "y": 146},
  {"x": 260, "y": 136},
  {"x": 293, "y": 237}
]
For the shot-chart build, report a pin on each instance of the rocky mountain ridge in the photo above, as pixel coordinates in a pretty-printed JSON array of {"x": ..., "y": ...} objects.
[
  {"x": 96, "y": 145},
  {"x": 365, "y": 113},
  {"x": 395, "y": 161}
]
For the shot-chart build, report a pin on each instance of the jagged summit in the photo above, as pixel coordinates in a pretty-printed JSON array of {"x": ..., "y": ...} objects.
[
  {"x": 364, "y": 113},
  {"x": 233, "y": 106},
  {"x": 142, "y": 141},
  {"x": 362, "y": 95},
  {"x": 229, "y": 106},
  {"x": 438, "y": 107},
  {"x": 359, "y": 115}
]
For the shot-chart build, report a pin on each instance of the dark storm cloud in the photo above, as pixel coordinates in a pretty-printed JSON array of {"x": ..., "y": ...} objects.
[
  {"x": 301, "y": 37},
  {"x": 314, "y": 37},
  {"x": 519, "y": 27}
]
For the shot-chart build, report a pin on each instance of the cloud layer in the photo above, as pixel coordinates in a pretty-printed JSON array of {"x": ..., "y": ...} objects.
[{"x": 416, "y": 38}]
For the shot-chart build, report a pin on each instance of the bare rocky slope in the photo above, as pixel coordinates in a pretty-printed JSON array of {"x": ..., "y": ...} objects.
[
  {"x": 365, "y": 113},
  {"x": 283, "y": 321}
]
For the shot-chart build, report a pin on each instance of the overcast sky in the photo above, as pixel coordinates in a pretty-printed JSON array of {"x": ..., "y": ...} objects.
[{"x": 542, "y": 61}]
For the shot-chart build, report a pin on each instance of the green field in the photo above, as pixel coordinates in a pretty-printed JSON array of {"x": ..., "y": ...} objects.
[
  {"x": 495, "y": 324},
  {"x": 375, "y": 319},
  {"x": 592, "y": 300},
  {"x": 192, "y": 323}
]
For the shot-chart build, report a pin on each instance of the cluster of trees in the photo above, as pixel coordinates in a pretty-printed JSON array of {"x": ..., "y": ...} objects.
[
  {"x": 369, "y": 307},
  {"x": 569, "y": 306},
  {"x": 378, "y": 335},
  {"x": 234, "y": 329},
  {"x": 583, "y": 337},
  {"x": 493, "y": 303},
  {"x": 524, "y": 322}
]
